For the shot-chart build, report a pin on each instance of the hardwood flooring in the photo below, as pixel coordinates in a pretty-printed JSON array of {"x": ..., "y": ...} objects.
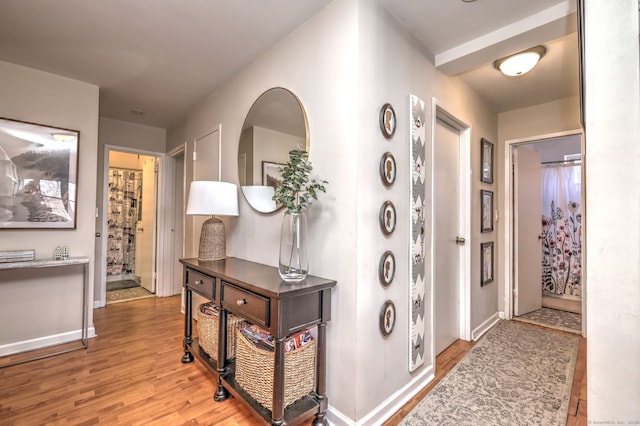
[{"x": 131, "y": 374}]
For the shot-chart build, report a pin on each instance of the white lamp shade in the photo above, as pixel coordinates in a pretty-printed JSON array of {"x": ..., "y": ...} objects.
[
  {"x": 212, "y": 198},
  {"x": 260, "y": 197}
]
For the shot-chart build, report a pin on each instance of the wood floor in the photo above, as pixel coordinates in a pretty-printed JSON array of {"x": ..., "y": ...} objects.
[{"x": 131, "y": 374}]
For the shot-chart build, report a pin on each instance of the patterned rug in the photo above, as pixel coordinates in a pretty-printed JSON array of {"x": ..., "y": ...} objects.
[
  {"x": 124, "y": 295},
  {"x": 515, "y": 375},
  {"x": 561, "y": 320}
]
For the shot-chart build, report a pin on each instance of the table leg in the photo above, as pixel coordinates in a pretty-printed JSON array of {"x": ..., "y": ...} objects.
[
  {"x": 222, "y": 394},
  {"x": 188, "y": 357},
  {"x": 277, "y": 412},
  {"x": 321, "y": 376}
]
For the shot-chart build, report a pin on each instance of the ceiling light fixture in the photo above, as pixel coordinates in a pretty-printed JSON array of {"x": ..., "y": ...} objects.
[{"x": 521, "y": 62}]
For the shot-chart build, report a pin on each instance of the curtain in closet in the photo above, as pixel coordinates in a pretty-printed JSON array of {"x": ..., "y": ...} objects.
[{"x": 561, "y": 230}]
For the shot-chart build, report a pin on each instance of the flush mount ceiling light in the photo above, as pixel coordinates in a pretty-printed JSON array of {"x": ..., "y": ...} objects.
[{"x": 521, "y": 62}]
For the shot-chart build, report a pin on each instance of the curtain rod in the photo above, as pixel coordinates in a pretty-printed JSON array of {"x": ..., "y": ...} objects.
[{"x": 562, "y": 162}]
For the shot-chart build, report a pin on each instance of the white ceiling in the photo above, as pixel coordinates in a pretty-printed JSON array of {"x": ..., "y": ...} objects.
[{"x": 161, "y": 57}]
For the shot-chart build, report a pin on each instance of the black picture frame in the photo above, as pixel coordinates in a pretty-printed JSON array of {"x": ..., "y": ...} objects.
[
  {"x": 388, "y": 169},
  {"x": 387, "y": 218},
  {"x": 486, "y": 211},
  {"x": 486, "y": 161},
  {"x": 387, "y": 318},
  {"x": 387, "y": 120},
  {"x": 39, "y": 187},
  {"x": 486, "y": 263},
  {"x": 387, "y": 268}
]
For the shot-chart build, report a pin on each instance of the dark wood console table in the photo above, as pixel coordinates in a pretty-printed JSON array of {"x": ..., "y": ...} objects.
[{"x": 256, "y": 293}]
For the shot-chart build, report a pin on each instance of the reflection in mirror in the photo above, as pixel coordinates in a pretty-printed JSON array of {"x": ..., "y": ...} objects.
[{"x": 275, "y": 124}]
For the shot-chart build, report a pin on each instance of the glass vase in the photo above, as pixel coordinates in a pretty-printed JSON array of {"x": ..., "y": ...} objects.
[{"x": 294, "y": 260}]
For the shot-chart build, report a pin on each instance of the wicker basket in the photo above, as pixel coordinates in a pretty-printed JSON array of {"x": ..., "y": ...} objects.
[
  {"x": 208, "y": 332},
  {"x": 254, "y": 371}
]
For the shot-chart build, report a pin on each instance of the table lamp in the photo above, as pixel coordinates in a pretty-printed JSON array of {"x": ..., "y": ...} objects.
[{"x": 212, "y": 198}]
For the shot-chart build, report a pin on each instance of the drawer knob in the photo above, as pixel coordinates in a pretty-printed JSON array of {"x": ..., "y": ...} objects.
[
  {"x": 241, "y": 302},
  {"x": 198, "y": 282}
]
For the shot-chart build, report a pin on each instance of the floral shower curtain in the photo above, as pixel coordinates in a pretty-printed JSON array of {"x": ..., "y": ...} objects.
[{"x": 561, "y": 230}]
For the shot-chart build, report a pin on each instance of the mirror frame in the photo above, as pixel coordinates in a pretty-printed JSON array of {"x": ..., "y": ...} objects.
[{"x": 265, "y": 164}]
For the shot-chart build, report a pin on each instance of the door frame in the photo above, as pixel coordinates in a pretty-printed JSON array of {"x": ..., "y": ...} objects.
[
  {"x": 105, "y": 207},
  {"x": 509, "y": 219},
  {"x": 168, "y": 252},
  {"x": 439, "y": 112}
]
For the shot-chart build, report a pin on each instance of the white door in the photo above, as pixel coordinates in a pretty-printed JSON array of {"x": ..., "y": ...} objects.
[
  {"x": 447, "y": 229},
  {"x": 146, "y": 227},
  {"x": 527, "y": 230},
  {"x": 179, "y": 207}
]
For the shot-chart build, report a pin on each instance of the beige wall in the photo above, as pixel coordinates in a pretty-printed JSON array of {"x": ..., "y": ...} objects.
[
  {"x": 360, "y": 59},
  {"x": 40, "y": 97},
  {"x": 612, "y": 125}
]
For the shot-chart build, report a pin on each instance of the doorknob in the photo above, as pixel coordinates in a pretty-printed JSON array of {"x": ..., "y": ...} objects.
[
  {"x": 460, "y": 240},
  {"x": 541, "y": 236}
]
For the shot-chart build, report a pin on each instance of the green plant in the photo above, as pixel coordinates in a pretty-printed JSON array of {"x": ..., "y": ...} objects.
[{"x": 297, "y": 191}]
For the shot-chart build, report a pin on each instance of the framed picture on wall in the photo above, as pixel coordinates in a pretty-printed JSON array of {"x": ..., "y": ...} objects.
[
  {"x": 486, "y": 210},
  {"x": 387, "y": 120},
  {"x": 486, "y": 161},
  {"x": 486, "y": 263},
  {"x": 39, "y": 178},
  {"x": 271, "y": 173}
]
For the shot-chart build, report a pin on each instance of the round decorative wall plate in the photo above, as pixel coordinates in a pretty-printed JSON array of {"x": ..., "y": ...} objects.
[
  {"x": 387, "y": 121},
  {"x": 387, "y": 218},
  {"x": 387, "y": 318},
  {"x": 388, "y": 169},
  {"x": 387, "y": 268}
]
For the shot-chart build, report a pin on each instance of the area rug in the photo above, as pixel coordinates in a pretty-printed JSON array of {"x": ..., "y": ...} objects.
[
  {"x": 561, "y": 320},
  {"x": 122, "y": 284},
  {"x": 126, "y": 294},
  {"x": 515, "y": 375}
]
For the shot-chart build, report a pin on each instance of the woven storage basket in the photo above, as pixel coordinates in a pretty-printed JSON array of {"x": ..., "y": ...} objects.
[
  {"x": 208, "y": 332},
  {"x": 254, "y": 371}
]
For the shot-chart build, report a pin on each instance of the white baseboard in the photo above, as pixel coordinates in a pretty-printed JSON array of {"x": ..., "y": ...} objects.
[
  {"x": 485, "y": 326},
  {"x": 389, "y": 406},
  {"x": 44, "y": 342},
  {"x": 502, "y": 315}
]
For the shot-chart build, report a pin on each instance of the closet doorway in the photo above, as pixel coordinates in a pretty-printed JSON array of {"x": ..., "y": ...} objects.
[
  {"x": 547, "y": 210},
  {"x": 131, "y": 225}
]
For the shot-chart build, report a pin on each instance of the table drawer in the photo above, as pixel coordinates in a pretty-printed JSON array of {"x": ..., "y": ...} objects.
[
  {"x": 201, "y": 284},
  {"x": 249, "y": 305}
]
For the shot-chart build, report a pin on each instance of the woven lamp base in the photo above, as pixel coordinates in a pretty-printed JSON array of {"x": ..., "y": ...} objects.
[{"x": 213, "y": 245}]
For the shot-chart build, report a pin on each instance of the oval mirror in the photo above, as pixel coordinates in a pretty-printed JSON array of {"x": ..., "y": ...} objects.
[{"x": 275, "y": 124}]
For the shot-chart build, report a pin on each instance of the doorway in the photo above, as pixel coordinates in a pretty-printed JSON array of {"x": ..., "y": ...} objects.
[
  {"x": 451, "y": 267},
  {"x": 547, "y": 261},
  {"x": 130, "y": 225}
]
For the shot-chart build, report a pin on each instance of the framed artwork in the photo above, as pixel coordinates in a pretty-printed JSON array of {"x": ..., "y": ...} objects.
[
  {"x": 38, "y": 183},
  {"x": 486, "y": 161},
  {"x": 486, "y": 263},
  {"x": 388, "y": 169},
  {"x": 387, "y": 121},
  {"x": 387, "y": 318},
  {"x": 271, "y": 174},
  {"x": 387, "y": 268},
  {"x": 387, "y": 218},
  {"x": 486, "y": 219}
]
